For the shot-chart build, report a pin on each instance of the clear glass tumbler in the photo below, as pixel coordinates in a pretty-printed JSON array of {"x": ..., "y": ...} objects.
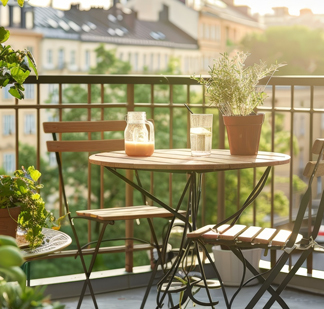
[{"x": 201, "y": 134}]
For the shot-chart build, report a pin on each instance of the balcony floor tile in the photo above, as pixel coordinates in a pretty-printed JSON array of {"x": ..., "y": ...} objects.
[{"x": 131, "y": 299}]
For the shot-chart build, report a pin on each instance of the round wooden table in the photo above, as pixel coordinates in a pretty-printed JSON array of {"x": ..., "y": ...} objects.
[{"x": 180, "y": 160}]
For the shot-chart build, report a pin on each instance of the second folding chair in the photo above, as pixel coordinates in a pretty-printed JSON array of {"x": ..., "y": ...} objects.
[{"x": 104, "y": 216}]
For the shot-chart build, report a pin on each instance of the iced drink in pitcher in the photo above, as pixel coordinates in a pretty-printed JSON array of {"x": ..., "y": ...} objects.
[
  {"x": 201, "y": 134},
  {"x": 139, "y": 135}
]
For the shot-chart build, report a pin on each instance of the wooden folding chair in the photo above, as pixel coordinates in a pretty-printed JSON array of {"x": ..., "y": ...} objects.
[
  {"x": 236, "y": 236},
  {"x": 105, "y": 216}
]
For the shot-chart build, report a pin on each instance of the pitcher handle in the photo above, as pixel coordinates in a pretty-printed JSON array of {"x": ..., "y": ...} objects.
[{"x": 151, "y": 126}]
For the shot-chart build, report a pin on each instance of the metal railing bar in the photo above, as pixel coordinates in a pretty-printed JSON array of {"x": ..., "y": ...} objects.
[
  {"x": 38, "y": 128},
  {"x": 293, "y": 80},
  {"x": 311, "y": 139},
  {"x": 291, "y": 163}
]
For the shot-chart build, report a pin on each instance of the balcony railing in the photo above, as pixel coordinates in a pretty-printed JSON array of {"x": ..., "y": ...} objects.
[{"x": 294, "y": 118}]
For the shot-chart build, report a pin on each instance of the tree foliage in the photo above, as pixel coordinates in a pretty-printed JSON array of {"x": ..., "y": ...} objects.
[{"x": 300, "y": 47}]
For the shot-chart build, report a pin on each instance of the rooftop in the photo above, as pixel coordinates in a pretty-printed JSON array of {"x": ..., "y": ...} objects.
[{"x": 116, "y": 25}]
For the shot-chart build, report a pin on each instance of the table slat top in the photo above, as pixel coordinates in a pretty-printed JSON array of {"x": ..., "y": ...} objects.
[{"x": 180, "y": 160}]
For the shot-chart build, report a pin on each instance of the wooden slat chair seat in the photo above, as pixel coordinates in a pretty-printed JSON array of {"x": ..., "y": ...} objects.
[
  {"x": 244, "y": 236},
  {"x": 104, "y": 216},
  {"x": 236, "y": 236}
]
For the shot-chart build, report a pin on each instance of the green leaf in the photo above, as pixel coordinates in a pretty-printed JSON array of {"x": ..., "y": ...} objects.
[
  {"x": 4, "y": 81},
  {"x": 16, "y": 93},
  {"x": 32, "y": 63},
  {"x": 4, "y": 34},
  {"x": 4, "y": 2},
  {"x": 14, "y": 273},
  {"x": 34, "y": 174},
  {"x": 35, "y": 196},
  {"x": 20, "y": 2},
  {"x": 19, "y": 74}
]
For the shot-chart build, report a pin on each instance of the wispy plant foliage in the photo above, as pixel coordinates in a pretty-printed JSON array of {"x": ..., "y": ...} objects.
[{"x": 232, "y": 87}]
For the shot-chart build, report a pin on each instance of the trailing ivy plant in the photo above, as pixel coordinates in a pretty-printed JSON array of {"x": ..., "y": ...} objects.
[
  {"x": 22, "y": 190},
  {"x": 232, "y": 87},
  {"x": 15, "y": 65}
]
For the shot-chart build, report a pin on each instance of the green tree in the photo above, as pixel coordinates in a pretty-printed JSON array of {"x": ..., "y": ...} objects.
[{"x": 300, "y": 47}]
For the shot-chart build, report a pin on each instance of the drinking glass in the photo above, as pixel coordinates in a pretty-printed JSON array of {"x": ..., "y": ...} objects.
[{"x": 201, "y": 134}]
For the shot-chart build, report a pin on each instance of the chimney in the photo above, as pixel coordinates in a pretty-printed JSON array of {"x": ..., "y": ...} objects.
[
  {"x": 244, "y": 9},
  {"x": 305, "y": 12},
  {"x": 129, "y": 18},
  {"x": 230, "y": 2},
  {"x": 281, "y": 11},
  {"x": 164, "y": 14}
]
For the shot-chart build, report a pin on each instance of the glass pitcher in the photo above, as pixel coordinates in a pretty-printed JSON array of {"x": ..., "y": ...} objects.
[{"x": 139, "y": 141}]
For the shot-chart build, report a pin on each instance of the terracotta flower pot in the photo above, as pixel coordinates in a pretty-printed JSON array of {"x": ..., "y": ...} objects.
[
  {"x": 8, "y": 222},
  {"x": 244, "y": 133}
]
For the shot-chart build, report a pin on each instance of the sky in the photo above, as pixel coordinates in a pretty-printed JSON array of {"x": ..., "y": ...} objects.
[{"x": 257, "y": 6}]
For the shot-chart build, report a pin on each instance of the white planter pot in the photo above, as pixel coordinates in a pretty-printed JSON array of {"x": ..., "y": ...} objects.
[{"x": 230, "y": 267}]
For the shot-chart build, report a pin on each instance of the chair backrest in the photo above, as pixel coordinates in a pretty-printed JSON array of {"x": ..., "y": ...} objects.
[
  {"x": 312, "y": 170},
  {"x": 84, "y": 127},
  {"x": 83, "y": 145}
]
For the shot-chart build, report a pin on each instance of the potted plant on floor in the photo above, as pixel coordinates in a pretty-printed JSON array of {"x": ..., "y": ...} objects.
[
  {"x": 233, "y": 88},
  {"x": 13, "y": 291},
  {"x": 21, "y": 204}
]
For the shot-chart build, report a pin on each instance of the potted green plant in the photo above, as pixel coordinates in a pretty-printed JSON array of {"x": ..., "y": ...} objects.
[
  {"x": 15, "y": 65},
  {"x": 21, "y": 192},
  {"x": 233, "y": 88},
  {"x": 13, "y": 291}
]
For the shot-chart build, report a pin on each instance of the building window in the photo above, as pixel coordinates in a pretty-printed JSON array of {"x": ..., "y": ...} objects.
[
  {"x": 49, "y": 56},
  {"x": 166, "y": 61},
  {"x": 158, "y": 62},
  {"x": 227, "y": 33},
  {"x": 16, "y": 15},
  {"x": 30, "y": 126},
  {"x": 136, "y": 62},
  {"x": 87, "y": 59},
  {"x": 202, "y": 31},
  {"x": 4, "y": 15},
  {"x": 152, "y": 62},
  {"x": 207, "y": 32},
  {"x": 29, "y": 20},
  {"x": 130, "y": 58},
  {"x": 29, "y": 91},
  {"x": 9, "y": 162},
  {"x": 8, "y": 124},
  {"x": 218, "y": 33},
  {"x": 213, "y": 32},
  {"x": 61, "y": 58},
  {"x": 72, "y": 57},
  {"x": 144, "y": 62}
]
